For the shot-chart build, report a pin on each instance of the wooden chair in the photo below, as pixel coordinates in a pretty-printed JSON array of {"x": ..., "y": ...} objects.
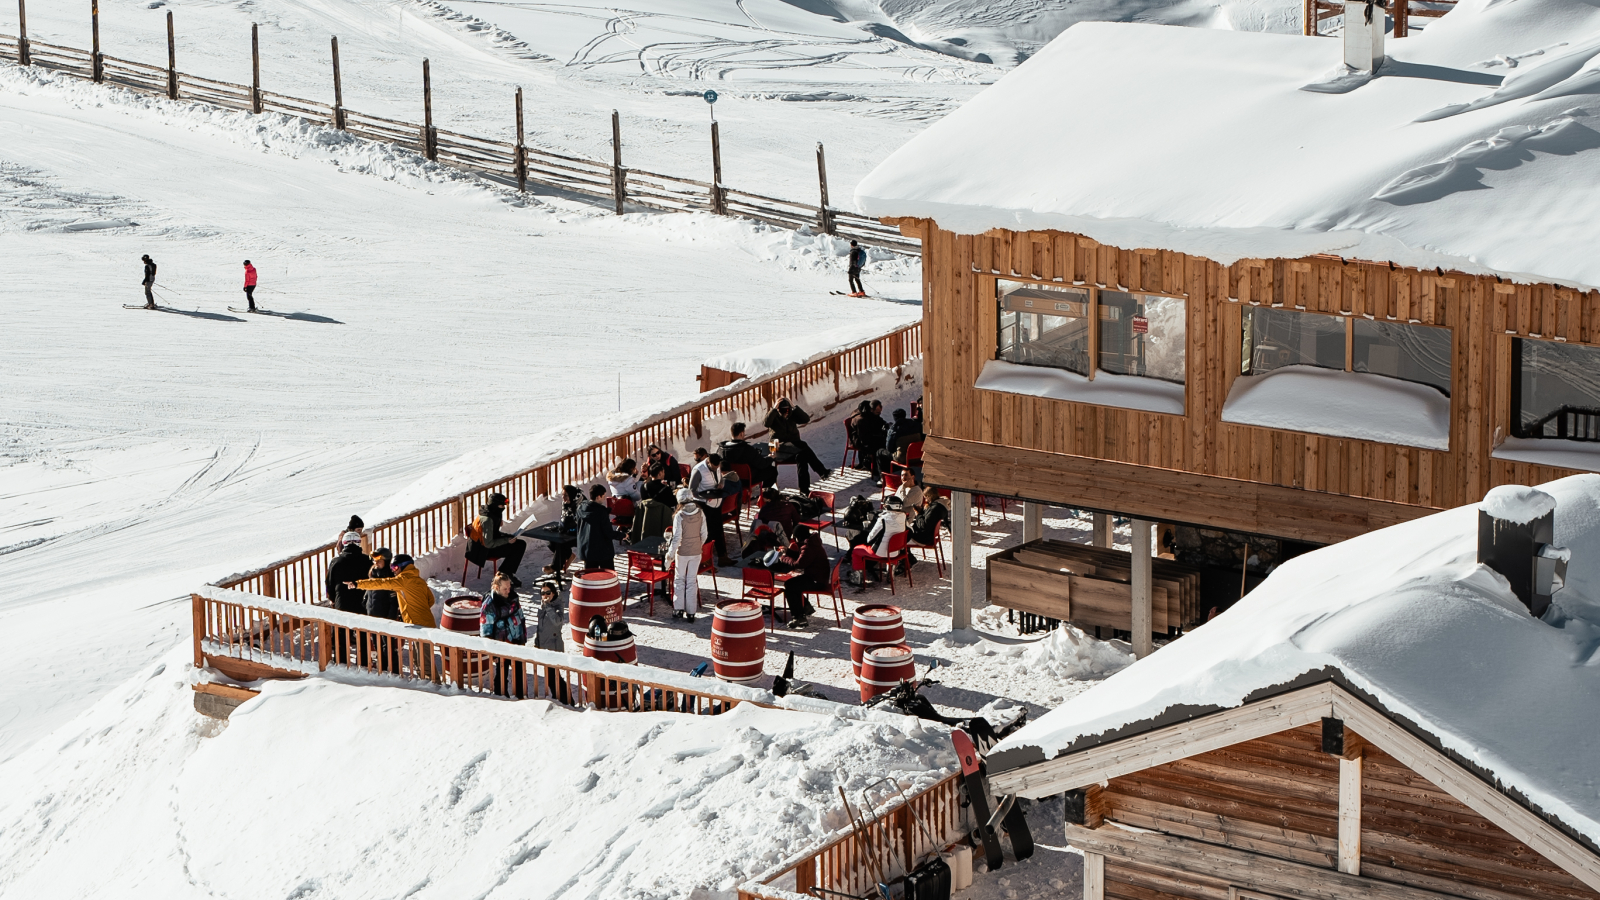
[
  {"x": 936, "y": 548},
  {"x": 643, "y": 567},
  {"x": 760, "y": 586},
  {"x": 896, "y": 555}
]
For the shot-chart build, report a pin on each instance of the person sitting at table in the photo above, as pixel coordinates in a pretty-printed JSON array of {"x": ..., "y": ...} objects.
[
  {"x": 805, "y": 556},
  {"x": 911, "y": 493},
  {"x": 784, "y": 423},
  {"x": 594, "y": 533},
  {"x": 867, "y": 431},
  {"x": 773, "y": 525},
  {"x": 624, "y": 482},
  {"x": 890, "y": 522},
  {"x": 655, "y": 511},
  {"x": 655, "y": 456},
  {"x": 924, "y": 524},
  {"x": 736, "y": 451},
  {"x": 903, "y": 432},
  {"x": 487, "y": 542},
  {"x": 561, "y": 550},
  {"x": 706, "y": 485}
]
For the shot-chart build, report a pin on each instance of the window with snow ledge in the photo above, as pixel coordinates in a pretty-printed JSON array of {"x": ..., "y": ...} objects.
[
  {"x": 1344, "y": 377},
  {"x": 1555, "y": 405},
  {"x": 1088, "y": 345}
]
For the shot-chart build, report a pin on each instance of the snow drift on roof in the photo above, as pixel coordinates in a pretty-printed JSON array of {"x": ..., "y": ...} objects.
[
  {"x": 1409, "y": 617},
  {"x": 1475, "y": 149}
]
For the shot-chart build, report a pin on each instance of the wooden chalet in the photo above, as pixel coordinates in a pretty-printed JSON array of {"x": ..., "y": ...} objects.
[{"x": 1121, "y": 322}]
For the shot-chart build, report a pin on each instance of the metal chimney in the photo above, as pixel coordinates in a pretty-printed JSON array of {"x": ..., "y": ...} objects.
[
  {"x": 1516, "y": 526},
  {"x": 1364, "y": 22}
]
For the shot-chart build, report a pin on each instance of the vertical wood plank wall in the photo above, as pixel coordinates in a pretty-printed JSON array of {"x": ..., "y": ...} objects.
[
  {"x": 1279, "y": 796},
  {"x": 1483, "y": 314}
]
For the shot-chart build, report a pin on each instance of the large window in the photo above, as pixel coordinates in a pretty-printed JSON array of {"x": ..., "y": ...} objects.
[
  {"x": 1132, "y": 334},
  {"x": 1278, "y": 338},
  {"x": 1557, "y": 391}
]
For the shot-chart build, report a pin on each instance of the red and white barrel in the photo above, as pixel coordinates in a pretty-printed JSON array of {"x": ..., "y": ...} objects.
[
  {"x": 621, "y": 650},
  {"x": 874, "y": 625},
  {"x": 738, "y": 641},
  {"x": 462, "y": 616},
  {"x": 884, "y": 667},
  {"x": 593, "y": 594}
]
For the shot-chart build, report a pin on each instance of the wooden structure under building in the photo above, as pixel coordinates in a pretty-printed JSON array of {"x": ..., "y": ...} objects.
[{"x": 1091, "y": 587}]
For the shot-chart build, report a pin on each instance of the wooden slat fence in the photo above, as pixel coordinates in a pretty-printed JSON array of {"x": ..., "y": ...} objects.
[
  {"x": 311, "y": 639},
  {"x": 851, "y": 862},
  {"x": 492, "y": 159},
  {"x": 300, "y": 578}
]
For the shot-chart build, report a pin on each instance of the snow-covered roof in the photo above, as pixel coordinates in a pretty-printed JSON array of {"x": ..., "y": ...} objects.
[
  {"x": 1406, "y": 616},
  {"x": 1474, "y": 149}
]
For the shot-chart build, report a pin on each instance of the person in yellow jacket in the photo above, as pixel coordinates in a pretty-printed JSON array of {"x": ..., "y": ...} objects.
[{"x": 416, "y": 598}]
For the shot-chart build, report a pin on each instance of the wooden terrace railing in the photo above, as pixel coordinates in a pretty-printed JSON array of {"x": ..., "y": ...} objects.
[
  {"x": 248, "y": 638},
  {"x": 851, "y": 862},
  {"x": 301, "y": 578},
  {"x": 507, "y": 163}
]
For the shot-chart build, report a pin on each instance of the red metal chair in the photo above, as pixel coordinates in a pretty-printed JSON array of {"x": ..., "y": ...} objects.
[
  {"x": 643, "y": 567},
  {"x": 683, "y": 473},
  {"x": 849, "y": 445},
  {"x": 981, "y": 502},
  {"x": 896, "y": 555},
  {"x": 760, "y": 586},
  {"x": 834, "y": 591},
  {"x": 891, "y": 484},
  {"x": 730, "y": 513},
  {"x": 936, "y": 548},
  {"x": 913, "y": 458},
  {"x": 708, "y": 566},
  {"x": 622, "y": 511},
  {"x": 827, "y": 519}
]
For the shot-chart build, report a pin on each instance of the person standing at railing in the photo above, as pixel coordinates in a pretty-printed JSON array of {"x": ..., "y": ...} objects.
[
  {"x": 348, "y": 567},
  {"x": 552, "y": 622},
  {"x": 784, "y": 423},
  {"x": 683, "y": 553},
  {"x": 416, "y": 598},
  {"x": 500, "y": 619}
]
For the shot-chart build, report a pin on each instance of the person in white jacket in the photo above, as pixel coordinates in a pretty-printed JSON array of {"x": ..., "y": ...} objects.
[
  {"x": 683, "y": 552},
  {"x": 891, "y": 522}
]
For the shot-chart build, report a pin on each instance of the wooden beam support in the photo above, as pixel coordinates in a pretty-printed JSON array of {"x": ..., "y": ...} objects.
[
  {"x": 619, "y": 175},
  {"x": 1102, "y": 530},
  {"x": 1240, "y": 868},
  {"x": 1143, "y": 644},
  {"x": 521, "y": 160},
  {"x": 719, "y": 203},
  {"x": 1350, "y": 815},
  {"x": 172, "y": 60},
  {"x": 960, "y": 560},
  {"x": 1032, "y": 521},
  {"x": 24, "y": 56},
  {"x": 430, "y": 137},
  {"x": 98, "y": 66},
  {"x": 824, "y": 214},
  {"x": 255, "y": 68},
  {"x": 338, "y": 89},
  {"x": 1094, "y": 876}
]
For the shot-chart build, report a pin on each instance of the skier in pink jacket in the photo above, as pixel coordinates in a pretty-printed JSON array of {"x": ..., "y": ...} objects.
[{"x": 250, "y": 284}]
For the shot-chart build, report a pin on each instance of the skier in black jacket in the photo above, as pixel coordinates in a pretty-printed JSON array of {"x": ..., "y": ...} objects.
[
  {"x": 149, "y": 281},
  {"x": 858, "y": 258}
]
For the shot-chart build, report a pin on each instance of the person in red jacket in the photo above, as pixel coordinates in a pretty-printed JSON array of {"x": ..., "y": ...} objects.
[{"x": 250, "y": 284}]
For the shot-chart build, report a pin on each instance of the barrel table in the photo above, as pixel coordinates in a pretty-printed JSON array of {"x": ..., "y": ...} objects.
[
  {"x": 461, "y": 617},
  {"x": 738, "y": 641},
  {"x": 884, "y": 667},
  {"x": 593, "y": 594},
  {"x": 874, "y": 625}
]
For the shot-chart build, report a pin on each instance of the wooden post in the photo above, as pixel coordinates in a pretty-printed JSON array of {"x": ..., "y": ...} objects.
[
  {"x": 619, "y": 175},
  {"x": 1402, "y": 17},
  {"x": 338, "y": 89},
  {"x": 430, "y": 138},
  {"x": 23, "y": 56},
  {"x": 824, "y": 214},
  {"x": 1032, "y": 521},
  {"x": 1102, "y": 530},
  {"x": 1350, "y": 766},
  {"x": 961, "y": 560},
  {"x": 1142, "y": 565},
  {"x": 719, "y": 204},
  {"x": 522, "y": 149},
  {"x": 1094, "y": 876},
  {"x": 324, "y": 645},
  {"x": 98, "y": 65},
  {"x": 199, "y": 604},
  {"x": 172, "y": 60},
  {"x": 255, "y": 68}
]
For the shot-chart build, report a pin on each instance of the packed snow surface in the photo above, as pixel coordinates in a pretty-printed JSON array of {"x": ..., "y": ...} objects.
[
  {"x": 775, "y": 356},
  {"x": 1407, "y": 615},
  {"x": 1517, "y": 503},
  {"x": 1356, "y": 405},
  {"x": 1581, "y": 455},
  {"x": 1106, "y": 389},
  {"x": 369, "y": 791},
  {"x": 1487, "y": 124}
]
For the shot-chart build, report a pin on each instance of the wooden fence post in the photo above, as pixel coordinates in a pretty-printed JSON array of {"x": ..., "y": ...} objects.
[
  {"x": 338, "y": 89},
  {"x": 172, "y": 60},
  {"x": 619, "y": 175},
  {"x": 324, "y": 645},
  {"x": 269, "y": 582},
  {"x": 430, "y": 138},
  {"x": 824, "y": 214},
  {"x": 199, "y": 604},
  {"x": 522, "y": 149},
  {"x": 255, "y": 68},
  {"x": 23, "y": 56},
  {"x": 98, "y": 69},
  {"x": 719, "y": 203}
]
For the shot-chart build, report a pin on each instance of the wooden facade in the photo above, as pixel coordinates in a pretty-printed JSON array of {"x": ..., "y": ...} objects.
[{"x": 1194, "y": 468}]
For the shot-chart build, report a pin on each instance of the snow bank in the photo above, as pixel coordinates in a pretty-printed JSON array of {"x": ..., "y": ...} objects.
[
  {"x": 771, "y": 358},
  {"x": 1356, "y": 405},
  {"x": 1107, "y": 389},
  {"x": 1059, "y": 665},
  {"x": 1408, "y": 616},
  {"x": 1476, "y": 174},
  {"x": 1517, "y": 503},
  {"x": 375, "y": 792}
]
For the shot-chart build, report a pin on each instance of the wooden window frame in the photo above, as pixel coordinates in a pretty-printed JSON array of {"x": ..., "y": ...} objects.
[
  {"x": 1093, "y": 314},
  {"x": 1509, "y": 380},
  {"x": 1350, "y": 333}
]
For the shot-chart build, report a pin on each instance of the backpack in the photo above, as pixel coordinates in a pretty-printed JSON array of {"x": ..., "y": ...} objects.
[
  {"x": 810, "y": 508},
  {"x": 475, "y": 530},
  {"x": 859, "y": 514}
]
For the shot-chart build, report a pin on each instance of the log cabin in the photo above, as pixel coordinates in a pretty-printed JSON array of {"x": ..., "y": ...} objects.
[
  {"x": 1234, "y": 281},
  {"x": 1383, "y": 719}
]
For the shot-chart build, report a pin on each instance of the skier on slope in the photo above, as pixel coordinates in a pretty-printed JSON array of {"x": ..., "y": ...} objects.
[
  {"x": 250, "y": 284},
  {"x": 858, "y": 258},
  {"x": 149, "y": 281}
]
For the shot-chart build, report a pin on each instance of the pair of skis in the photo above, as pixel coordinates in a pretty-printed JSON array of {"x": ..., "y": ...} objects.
[{"x": 1007, "y": 814}]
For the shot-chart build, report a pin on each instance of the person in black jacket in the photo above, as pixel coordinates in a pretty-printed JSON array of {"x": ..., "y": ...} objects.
[
  {"x": 858, "y": 258},
  {"x": 669, "y": 464},
  {"x": 561, "y": 551},
  {"x": 384, "y": 605},
  {"x": 149, "y": 281},
  {"x": 903, "y": 432},
  {"x": 736, "y": 451},
  {"x": 784, "y": 422},
  {"x": 351, "y": 565},
  {"x": 867, "y": 432},
  {"x": 594, "y": 533},
  {"x": 493, "y": 544},
  {"x": 807, "y": 556}
]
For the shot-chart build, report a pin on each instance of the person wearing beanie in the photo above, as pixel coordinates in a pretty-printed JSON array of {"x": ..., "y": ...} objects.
[
  {"x": 890, "y": 523},
  {"x": 683, "y": 554},
  {"x": 487, "y": 542},
  {"x": 250, "y": 284},
  {"x": 348, "y": 567},
  {"x": 149, "y": 281},
  {"x": 416, "y": 598},
  {"x": 355, "y": 524}
]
